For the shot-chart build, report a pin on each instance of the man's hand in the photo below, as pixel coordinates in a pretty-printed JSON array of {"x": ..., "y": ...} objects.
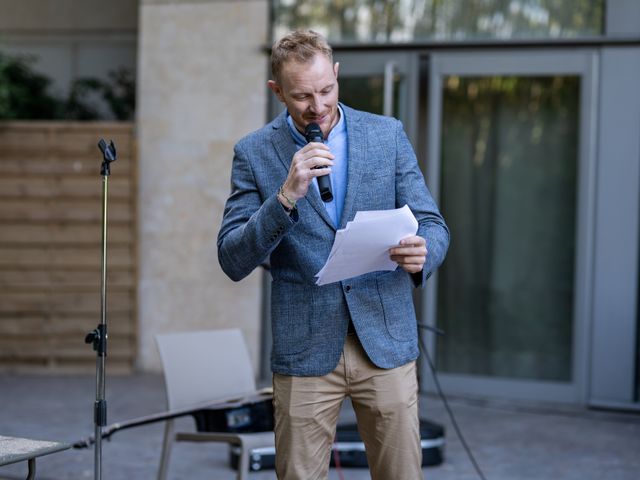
[
  {"x": 410, "y": 254},
  {"x": 303, "y": 169}
]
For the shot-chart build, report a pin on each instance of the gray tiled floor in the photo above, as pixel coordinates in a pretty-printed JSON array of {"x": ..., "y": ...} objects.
[{"x": 510, "y": 441}]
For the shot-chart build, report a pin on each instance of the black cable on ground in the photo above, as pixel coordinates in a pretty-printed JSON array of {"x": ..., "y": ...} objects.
[{"x": 446, "y": 402}]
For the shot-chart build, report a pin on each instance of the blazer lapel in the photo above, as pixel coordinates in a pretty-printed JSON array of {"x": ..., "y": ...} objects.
[
  {"x": 282, "y": 141},
  {"x": 357, "y": 162},
  {"x": 286, "y": 148}
]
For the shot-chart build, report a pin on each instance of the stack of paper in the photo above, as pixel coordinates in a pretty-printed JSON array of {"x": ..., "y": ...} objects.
[{"x": 363, "y": 245}]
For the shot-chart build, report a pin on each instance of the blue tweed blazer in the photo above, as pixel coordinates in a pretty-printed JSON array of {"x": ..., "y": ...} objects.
[{"x": 309, "y": 322}]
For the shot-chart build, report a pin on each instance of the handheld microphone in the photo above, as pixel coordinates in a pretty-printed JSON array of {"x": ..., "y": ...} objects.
[{"x": 313, "y": 133}]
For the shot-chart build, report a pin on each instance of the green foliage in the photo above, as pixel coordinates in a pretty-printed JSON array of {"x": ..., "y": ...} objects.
[
  {"x": 413, "y": 20},
  {"x": 118, "y": 93},
  {"x": 24, "y": 94}
]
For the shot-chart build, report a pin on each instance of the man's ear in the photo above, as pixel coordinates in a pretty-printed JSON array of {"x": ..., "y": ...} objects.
[
  {"x": 336, "y": 67},
  {"x": 275, "y": 88}
]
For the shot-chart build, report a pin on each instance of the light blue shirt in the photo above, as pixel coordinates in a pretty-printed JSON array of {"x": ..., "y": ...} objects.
[{"x": 337, "y": 143}]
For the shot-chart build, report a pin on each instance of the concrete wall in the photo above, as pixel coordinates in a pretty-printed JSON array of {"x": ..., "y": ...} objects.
[
  {"x": 201, "y": 86},
  {"x": 69, "y": 16},
  {"x": 71, "y": 38}
]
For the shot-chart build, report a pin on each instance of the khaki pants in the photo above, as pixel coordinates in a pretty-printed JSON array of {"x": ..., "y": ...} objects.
[{"x": 386, "y": 407}]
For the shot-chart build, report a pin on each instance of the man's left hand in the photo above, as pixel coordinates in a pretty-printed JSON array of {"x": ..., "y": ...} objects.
[{"x": 410, "y": 254}]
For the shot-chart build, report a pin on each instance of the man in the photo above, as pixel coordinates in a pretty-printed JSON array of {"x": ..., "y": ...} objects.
[{"x": 355, "y": 338}]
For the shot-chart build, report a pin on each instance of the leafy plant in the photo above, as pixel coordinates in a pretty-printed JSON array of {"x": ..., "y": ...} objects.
[
  {"x": 118, "y": 94},
  {"x": 24, "y": 94}
]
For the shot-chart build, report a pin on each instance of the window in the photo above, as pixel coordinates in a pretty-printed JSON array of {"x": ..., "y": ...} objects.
[{"x": 403, "y": 21}]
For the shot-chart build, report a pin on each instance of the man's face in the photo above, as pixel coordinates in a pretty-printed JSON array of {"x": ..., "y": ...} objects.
[{"x": 310, "y": 92}]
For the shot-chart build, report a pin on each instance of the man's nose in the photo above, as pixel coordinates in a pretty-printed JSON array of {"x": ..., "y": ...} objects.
[{"x": 314, "y": 104}]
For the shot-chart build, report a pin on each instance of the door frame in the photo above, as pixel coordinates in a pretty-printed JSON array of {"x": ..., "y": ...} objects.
[{"x": 387, "y": 63}]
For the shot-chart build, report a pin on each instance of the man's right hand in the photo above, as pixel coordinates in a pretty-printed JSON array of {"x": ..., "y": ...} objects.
[{"x": 304, "y": 168}]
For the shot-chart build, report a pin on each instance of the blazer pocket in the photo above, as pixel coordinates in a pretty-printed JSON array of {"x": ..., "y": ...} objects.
[{"x": 394, "y": 289}]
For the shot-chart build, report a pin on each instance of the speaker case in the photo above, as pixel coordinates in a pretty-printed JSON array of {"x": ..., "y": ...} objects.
[{"x": 350, "y": 449}]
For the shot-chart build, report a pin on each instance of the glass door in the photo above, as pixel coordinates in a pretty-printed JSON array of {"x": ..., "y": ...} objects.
[
  {"x": 511, "y": 162},
  {"x": 379, "y": 83}
]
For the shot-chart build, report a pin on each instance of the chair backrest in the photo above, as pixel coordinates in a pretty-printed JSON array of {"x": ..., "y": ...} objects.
[{"x": 205, "y": 366}]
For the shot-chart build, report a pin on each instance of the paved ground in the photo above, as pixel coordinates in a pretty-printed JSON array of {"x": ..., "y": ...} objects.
[{"x": 510, "y": 441}]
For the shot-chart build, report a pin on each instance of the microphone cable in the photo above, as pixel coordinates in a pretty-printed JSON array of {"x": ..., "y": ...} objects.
[{"x": 452, "y": 417}]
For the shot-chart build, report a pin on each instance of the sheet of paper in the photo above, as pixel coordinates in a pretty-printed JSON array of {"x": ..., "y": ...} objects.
[{"x": 363, "y": 245}]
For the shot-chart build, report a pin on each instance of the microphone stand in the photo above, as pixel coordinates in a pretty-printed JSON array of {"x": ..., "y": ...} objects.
[{"x": 98, "y": 337}]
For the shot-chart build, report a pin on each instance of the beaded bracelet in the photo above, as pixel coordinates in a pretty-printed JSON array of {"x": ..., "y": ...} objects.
[{"x": 289, "y": 201}]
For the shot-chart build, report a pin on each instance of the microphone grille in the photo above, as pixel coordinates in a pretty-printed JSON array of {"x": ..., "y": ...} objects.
[{"x": 313, "y": 133}]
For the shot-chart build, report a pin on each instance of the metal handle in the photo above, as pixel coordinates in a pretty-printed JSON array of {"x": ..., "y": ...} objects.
[{"x": 387, "y": 98}]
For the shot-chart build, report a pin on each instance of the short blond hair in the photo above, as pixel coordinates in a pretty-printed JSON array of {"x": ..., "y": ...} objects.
[{"x": 298, "y": 46}]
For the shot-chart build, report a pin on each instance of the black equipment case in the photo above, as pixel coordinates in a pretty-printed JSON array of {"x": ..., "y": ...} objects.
[
  {"x": 252, "y": 416},
  {"x": 350, "y": 449}
]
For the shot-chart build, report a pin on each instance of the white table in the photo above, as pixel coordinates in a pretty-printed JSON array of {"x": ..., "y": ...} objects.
[{"x": 14, "y": 449}]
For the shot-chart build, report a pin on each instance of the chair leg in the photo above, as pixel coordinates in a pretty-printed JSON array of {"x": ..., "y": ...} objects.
[
  {"x": 243, "y": 463},
  {"x": 166, "y": 450}
]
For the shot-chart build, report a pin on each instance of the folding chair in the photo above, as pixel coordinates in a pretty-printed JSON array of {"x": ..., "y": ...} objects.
[{"x": 208, "y": 366}]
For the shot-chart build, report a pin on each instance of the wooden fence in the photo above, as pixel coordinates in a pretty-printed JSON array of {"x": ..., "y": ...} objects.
[{"x": 50, "y": 246}]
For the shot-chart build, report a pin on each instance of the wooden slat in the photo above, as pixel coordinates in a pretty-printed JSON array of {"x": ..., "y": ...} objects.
[
  {"x": 64, "y": 257},
  {"x": 64, "y": 280},
  {"x": 62, "y": 186},
  {"x": 50, "y": 246},
  {"x": 118, "y": 323},
  {"x": 22, "y": 325},
  {"x": 85, "y": 302},
  {"x": 63, "y": 140},
  {"x": 56, "y": 234},
  {"x": 21, "y": 162},
  {"x": 118, "y": 329},
  {"x": 60, "y": 234},
  {"x": 46, "y": 210}
]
